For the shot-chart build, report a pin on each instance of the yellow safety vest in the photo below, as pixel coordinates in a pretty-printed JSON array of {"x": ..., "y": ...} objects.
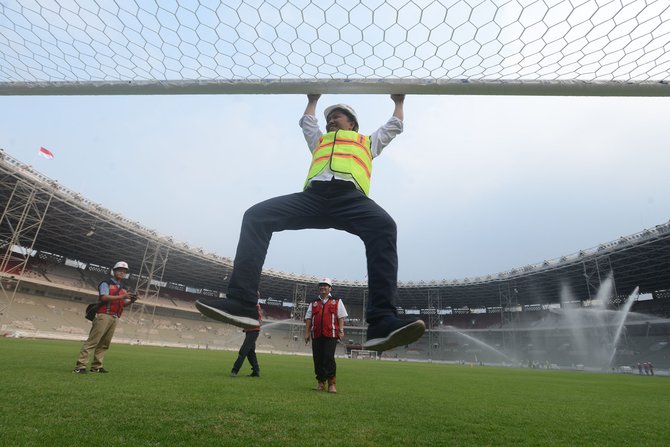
[{"x": 346, "y": 152}]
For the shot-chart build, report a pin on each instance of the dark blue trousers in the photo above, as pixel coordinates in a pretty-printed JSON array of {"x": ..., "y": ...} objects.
[
  {"x": 248, "y": 351},
  {"x": 334, "y": 204}
]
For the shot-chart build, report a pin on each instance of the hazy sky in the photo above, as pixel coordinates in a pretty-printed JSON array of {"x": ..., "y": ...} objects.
[{"x": 477, "y": 185}]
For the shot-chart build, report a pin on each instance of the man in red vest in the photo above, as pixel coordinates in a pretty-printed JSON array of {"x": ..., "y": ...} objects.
[
  {"x": 113, "y": 297},
  {"x": 335, "y": 195},
  {"x": 324, "y": 326}
]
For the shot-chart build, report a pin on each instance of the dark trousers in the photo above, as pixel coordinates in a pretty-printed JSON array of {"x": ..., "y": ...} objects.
[
  {"x": 323, "y": 353},
  {"x": 248, "y": 351},
  {"x": 334, "y": 204}
]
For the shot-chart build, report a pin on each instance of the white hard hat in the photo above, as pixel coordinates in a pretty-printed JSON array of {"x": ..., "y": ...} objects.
[
  {"x": 120, "y": 265},
  {"x": 348, "y": 109},
  {"x": 326, "y": 281}
]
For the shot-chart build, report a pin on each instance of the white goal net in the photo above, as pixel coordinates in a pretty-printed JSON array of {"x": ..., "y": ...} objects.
[
  {"x": 363, "y": 354},
  {"x": 551, "y": 47}
]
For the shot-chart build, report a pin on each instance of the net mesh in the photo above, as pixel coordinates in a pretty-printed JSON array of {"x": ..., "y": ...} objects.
[{"x": 45, "y": 43}]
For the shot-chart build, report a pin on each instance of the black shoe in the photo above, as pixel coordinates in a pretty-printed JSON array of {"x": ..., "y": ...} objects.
[
  {"x": 254, "y": 374},
  {"x": 99, "y": 370},
  {"x": 79, "y": 370},
  {"x": 390, "y": 332},
  {"x": 235, "y": 312}
]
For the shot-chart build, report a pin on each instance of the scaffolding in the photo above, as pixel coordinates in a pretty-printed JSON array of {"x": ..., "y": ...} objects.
[
  {"x": 434, "y": 322},
  {"x": 148, "y": 285},
  {"x": 20, "y": 225},
  {"x": 297, "y": 328},
  {"x": 596, "y": 270},
  {"x": 509, "y": 306}
]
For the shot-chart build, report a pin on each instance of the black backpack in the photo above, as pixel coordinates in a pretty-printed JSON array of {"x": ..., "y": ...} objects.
[{"x": 93, "y": 308}]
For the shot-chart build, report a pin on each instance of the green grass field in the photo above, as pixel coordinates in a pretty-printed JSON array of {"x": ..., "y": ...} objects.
[{"x": 165, "y": 397}]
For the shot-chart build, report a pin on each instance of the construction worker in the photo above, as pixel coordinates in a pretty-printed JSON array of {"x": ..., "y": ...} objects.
[
  {"x": 324, "y": 326},
  {"x": 113, "y": 297},
  {"x": 335, "y": 195}
]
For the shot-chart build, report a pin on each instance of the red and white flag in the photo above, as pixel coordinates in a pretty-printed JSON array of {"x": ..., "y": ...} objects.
[{"x": 46, "y": 153}]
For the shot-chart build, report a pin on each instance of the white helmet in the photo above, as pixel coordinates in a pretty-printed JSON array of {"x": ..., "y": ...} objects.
[
  {"x": 120, "y": 265},
  {"x": 347, "y": 109},
  {"x": 326, "y": 281}
]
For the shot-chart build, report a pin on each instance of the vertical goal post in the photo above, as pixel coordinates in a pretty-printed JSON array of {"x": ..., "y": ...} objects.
[{"x": 469, "y": 47}]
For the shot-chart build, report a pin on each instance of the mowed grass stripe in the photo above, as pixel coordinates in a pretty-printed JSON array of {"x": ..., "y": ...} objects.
[{"x": 163, "y": 397}]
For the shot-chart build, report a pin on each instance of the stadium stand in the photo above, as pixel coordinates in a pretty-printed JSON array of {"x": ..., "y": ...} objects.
[
  {"x": 62, "y": 274},
  {"x": 52, "y": 306},
  {"x": 659, "y": 306},
  {"x": 53, "y": 312},
  {"x": 271, "y": 312},
  {"x": 471, "y": 321}
]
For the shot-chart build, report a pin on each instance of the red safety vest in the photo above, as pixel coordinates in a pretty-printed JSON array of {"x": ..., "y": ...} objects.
[
  {"x": 325, "y": 322},
  {"x": 113, "y": 307}
]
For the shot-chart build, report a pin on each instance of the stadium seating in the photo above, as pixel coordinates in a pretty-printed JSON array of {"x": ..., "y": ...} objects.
[
  {"x": 51, "y": 301},
  {"x": 271, "y": 312}
]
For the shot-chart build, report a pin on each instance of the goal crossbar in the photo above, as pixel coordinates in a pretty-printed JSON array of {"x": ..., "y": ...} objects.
[
  {"x": 440, "y": 47},
  {"x": 341, "y": 86}
]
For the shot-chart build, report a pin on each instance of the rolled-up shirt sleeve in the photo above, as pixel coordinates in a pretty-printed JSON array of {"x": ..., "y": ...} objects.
[
  {"x": 383, "y": 136},
  {"x": 311, "y": 131}
]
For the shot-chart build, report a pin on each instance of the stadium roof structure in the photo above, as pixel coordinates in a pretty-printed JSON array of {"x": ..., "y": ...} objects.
[{"x": 67, "y": 225}]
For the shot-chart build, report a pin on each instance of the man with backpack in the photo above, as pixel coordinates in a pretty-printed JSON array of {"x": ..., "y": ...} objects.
[{"x": 112, "y": 298}]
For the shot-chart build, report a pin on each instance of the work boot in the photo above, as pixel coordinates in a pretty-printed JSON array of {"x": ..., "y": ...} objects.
[
  {"x": 331, "y": 385},
  {"x": 320, "y": 386},
  {"x": 238, "y": 313},
  {"x": 390, "y": 332}
]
